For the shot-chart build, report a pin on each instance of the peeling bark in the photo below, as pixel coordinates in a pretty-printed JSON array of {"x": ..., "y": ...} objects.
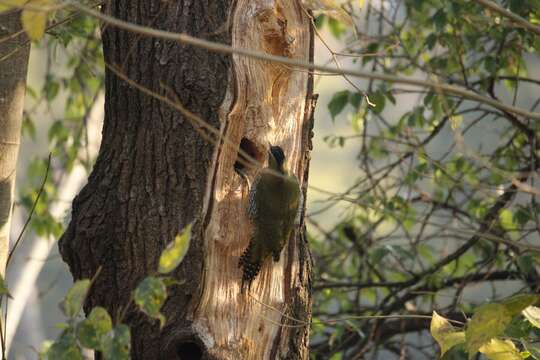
[
  {"x": 155, "y": 174},
  {"x": 13, "y": 71}
]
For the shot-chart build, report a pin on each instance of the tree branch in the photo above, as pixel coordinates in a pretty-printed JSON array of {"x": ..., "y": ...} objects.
[
  {"x": 222, "y": 48},
  {"x": 510, "y": 15}
]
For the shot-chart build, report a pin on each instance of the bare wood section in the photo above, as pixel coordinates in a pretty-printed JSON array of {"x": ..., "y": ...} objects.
[{"x": 267, "y": 105}]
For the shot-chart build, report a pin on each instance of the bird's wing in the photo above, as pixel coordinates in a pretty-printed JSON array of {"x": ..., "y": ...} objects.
[
  {"x": 293, "y": 189},
  {"x": 264, "y": 201}
]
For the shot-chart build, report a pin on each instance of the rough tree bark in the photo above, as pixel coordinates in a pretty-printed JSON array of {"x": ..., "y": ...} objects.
[
  {"x": 14, "y": 52},
  {"x": 155, "y": 174}
]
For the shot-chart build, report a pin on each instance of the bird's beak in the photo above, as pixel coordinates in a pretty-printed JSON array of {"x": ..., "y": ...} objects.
[{"x": 270, "y": 148}]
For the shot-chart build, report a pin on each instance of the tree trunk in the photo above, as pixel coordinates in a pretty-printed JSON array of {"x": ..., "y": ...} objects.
[
  {"x": 14, "y": 53},
  {"x": 155, "y": 174}
]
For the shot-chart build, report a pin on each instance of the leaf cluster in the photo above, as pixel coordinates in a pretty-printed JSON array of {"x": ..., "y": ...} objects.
[{"x": 97, "y": 331}]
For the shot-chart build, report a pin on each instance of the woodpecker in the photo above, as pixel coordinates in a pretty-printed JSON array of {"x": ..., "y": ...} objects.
[{"x": 274, "y": 198}]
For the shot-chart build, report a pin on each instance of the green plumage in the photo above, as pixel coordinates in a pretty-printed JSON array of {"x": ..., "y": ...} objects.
[{"x": 274, "y": 199}]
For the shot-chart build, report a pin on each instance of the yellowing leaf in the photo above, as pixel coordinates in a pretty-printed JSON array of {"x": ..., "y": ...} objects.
[
  {"x": 173, "y": 255},
  {"x": 506, "y": 219},
  {"x": 10, "y": 4},
  {"x": 117, "y": 344},
  {"x": 532, "y": 313},
  {"x": 488, "y": 321},
  {"x": 90, "y": 332},
  {"x": 498, "y": 349},
  {"x": 455, "y": 122},
  {"x": 150, "y": 295},
  {"x": 444, "y": 333},
  {"x": 34, "y": 20}
]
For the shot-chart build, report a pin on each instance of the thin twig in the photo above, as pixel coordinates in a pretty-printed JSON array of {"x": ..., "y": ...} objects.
[
  {"x": 226, "y": 49},
  {"x": 19, "y": 238},
  {"x": 510, "y": 15}
]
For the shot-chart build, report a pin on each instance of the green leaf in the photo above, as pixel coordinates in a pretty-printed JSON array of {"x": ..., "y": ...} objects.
[
  {"x": 532, "y": 313},
  {"x": 150, "y": 296},
  {"x": 439, "y": 19},
  {"x": 522, "y": 215},
  {"x": 416, "y": 117},
  {"x": 65, "y": 348},
  {"x": 117, "y": 344},
  {"x": 519, "y": 327},
  {"x": 355, "y": 99},
  {"x": 379, "y": 253},
  {"x": 431, "y": 40},
  {"x": 319, "y": 21},
  {"x": 516, "y": 304},
  {"x": 337, "y": 28},
  {"x": 338, "y": 102},
  {"x": 58, "y": 131},
  {"x": 498, "y": 349},
  {"x": 379, "y": 100},
  {"x": 533, "y": 350},
  {"x": 525, "y": 264},
  {"x": 4, "y": 289},
  {"x": 28, "y": 127},
  {"x": 71, "y": 306},
  {"x": 51, "y": 88},
  {"x": 370, "y": 50},
  {"x": 488, "y": 321},
  {"x": 456, "y": 353},
  {"x": 173, "y": 255},
  {"x": 444, "y": 333},
  {"x": 91, "y": 331}
]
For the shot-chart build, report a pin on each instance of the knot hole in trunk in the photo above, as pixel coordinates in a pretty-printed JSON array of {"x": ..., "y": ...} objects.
[{"x": 188, "y": 350}]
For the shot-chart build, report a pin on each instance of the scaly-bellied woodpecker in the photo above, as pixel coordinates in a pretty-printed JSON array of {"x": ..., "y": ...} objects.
[{"x": 274, "y": 199}]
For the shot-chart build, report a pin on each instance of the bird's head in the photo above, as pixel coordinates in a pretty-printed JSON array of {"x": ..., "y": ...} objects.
[{"x": 276, "y": 158}]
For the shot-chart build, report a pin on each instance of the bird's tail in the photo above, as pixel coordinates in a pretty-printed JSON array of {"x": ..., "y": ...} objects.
[{"x": 250, "y": 266}]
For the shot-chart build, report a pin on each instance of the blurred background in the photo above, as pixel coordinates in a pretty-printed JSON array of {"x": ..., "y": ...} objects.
[{"x": 398, "y": 181}]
